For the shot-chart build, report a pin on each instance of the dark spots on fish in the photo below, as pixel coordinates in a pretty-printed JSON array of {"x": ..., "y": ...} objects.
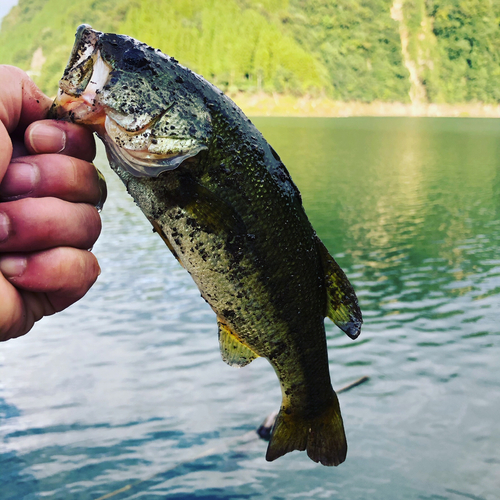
[
  {"x": 219, "y": 141},
  {"x": 179, "y": 79},
  {"x": 154, "y": 141},
  {"x": 288, "y": 411},
  {"x": 172, "y": 59},
  {"x": 155, "y": 87},
  {"x": 191, "y": 222},
  {"x": 228, "y": 314},
  {"x": 203, "y": 254},
  {"x": 172, "y": 127},
  {"x": 281, "y": 175}
]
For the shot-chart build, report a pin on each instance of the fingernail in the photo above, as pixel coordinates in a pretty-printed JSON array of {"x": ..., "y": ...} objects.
[
  {"x": 4, "y": 227},
  {"x": 47, "y": 139},
  {"x": 20, "y": 179},
  {"x": 13, "y": 266},
  {"x": 103, "y": 191}
]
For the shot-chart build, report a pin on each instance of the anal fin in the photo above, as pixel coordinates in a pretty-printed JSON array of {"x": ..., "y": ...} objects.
[
  {"x": 233, "y": 352},
  {"x": 342, "y": 304}
]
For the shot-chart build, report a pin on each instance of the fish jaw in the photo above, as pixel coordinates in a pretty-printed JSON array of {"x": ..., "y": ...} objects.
[
  {"x": 84, "y": 77},
  {"x": 84, "y": 108}
]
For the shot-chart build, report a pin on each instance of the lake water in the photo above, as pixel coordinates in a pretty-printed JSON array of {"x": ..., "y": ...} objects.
[{"x": 125, "y": 395}]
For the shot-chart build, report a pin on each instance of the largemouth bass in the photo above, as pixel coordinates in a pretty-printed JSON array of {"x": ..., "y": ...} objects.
[{"x": 225, "y": 205}]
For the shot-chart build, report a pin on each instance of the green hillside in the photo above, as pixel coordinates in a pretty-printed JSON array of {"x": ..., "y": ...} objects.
[{"x": 352, "y": 50}]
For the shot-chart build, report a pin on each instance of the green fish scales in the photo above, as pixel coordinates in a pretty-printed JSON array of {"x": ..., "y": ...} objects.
[{"x": 226, "y": 206}]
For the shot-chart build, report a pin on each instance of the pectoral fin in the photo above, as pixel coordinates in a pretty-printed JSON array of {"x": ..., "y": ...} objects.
[
  {"x": 233, "y": 352},
  {"x": 210, "y": 210},
  {"x": 342, "y": 304}
]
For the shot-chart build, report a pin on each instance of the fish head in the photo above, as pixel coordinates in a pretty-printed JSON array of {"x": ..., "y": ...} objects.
[{"x": 141, "y": 103}]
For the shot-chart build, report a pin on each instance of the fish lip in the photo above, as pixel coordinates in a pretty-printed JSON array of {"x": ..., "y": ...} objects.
[{"x": 86, "y": 42}]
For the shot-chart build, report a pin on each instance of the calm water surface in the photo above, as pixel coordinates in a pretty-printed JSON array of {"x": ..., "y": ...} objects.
[{"x": 128, "y": 388}]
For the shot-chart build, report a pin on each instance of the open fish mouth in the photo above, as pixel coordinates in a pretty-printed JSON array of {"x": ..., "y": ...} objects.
[{"x": 131, "y": 137}]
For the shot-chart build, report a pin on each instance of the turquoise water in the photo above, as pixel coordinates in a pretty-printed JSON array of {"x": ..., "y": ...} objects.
[{"x": 127, "y": 387}]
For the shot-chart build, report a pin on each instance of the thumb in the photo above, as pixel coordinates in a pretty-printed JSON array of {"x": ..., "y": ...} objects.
[{"x": 21, "y": 103}]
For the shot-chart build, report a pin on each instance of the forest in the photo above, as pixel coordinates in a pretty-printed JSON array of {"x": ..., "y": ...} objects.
[{"x": 418, "y": 51}]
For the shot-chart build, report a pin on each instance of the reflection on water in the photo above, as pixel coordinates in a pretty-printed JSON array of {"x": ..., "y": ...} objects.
[{"x": 128, "y": 385}]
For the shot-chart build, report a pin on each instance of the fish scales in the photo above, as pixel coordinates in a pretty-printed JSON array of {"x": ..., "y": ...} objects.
[
  {"x": 226, "y": 206},
  {"x": 276, "y": 284}
]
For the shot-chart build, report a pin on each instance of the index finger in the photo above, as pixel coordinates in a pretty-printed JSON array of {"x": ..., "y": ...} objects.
[{"x": 51, "y": 136}]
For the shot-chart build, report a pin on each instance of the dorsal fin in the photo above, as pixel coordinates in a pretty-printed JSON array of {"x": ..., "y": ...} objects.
[
  {"x": 233, "y": 352},
  {"x": 342, "y": 304}
]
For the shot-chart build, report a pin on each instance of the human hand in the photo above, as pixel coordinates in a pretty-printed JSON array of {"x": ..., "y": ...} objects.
[{"x": 48, "y": 220}]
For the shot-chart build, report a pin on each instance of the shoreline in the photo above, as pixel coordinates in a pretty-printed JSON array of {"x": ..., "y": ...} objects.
[{"x": 263, "y": 104}]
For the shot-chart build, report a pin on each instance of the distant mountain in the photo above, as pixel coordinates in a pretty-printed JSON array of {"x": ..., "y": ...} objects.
[{"x": 415, "y": 51}]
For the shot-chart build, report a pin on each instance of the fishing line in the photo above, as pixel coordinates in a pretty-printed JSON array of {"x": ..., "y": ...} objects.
[{"x": 263, "y": 432}]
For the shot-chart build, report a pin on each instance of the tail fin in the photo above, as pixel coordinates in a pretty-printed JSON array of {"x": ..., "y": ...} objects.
[{"x": 322, "y": 436}]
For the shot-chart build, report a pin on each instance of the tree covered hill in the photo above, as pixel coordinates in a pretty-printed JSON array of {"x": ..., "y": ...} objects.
[{"x": 417, "y": 51}]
